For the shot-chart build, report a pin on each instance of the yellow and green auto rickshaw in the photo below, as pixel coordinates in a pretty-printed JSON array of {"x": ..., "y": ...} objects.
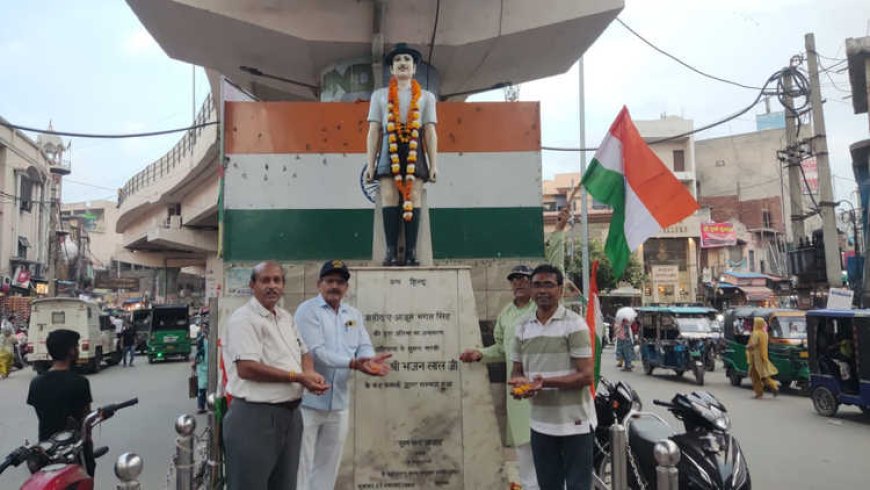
[
  {"x": 787, "y": 330},
  {"x": 170, "y": 333}
]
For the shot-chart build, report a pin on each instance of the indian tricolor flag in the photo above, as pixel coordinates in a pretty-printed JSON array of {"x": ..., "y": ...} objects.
[
  {"x": 643, "y": 192},
  {"x": 595, "y": 321}
]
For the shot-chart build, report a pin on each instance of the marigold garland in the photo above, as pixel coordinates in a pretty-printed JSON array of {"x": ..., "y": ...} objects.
[{"x": 407, "y": 133}]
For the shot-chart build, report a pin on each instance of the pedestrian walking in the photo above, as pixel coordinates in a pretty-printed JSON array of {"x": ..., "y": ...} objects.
[
  {"x": 337, "y": 338},
  {"x": 624, "y": 336},
  {"x": 200, "y": 366},
  {"x": 553, "y": 366},
  {"x": 8, "y": 341},
  {"x": 128, "y": 343},
  {"x": 268, "y": 367},
  {"x": 761, "y": 370}
]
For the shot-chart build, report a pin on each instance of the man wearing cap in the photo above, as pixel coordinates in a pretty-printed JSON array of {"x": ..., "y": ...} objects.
[
  {"x": 401, "y": 149},
  {"x": 268, "y": 368},
  {"x": 336, "y": 336},
  {"x": 517, "y": 430}
]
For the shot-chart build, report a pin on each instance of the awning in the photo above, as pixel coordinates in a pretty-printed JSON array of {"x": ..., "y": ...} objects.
[{"x": 756, "y": 293}]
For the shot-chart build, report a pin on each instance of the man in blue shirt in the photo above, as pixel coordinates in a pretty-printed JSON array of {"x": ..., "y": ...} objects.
[{"x": 335, "y": 334}]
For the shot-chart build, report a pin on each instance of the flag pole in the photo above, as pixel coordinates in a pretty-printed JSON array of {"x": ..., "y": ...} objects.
[{"x": 584, "y": 218}]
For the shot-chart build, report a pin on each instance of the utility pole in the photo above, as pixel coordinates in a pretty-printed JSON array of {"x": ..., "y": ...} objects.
[
  {"x": 584, "y": 219},
  {"x": 794, "y": 172},
  {"x": 833, "y": 266}
]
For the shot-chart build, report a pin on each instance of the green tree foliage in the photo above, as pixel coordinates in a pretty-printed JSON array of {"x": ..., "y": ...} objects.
[{"x": 606, "y": 279}]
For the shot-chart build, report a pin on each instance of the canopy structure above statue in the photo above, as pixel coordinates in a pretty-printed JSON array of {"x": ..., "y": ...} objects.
[{"x": 477, "y": 45}]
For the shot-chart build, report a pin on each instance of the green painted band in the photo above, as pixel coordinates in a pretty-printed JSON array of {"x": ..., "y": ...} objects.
[{"x": 320, "y": 234}]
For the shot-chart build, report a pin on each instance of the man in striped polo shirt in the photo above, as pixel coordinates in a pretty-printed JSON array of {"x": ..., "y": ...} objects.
[{"x": 553, "y": 365}]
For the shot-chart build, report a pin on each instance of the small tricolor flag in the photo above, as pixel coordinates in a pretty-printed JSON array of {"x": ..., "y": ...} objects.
[{"x": 595, "y": 321}]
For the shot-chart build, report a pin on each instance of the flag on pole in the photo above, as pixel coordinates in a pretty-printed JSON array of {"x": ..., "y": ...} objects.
[
  {"x": 595, "y": 320},
  {"x": 644, "y": 194}
]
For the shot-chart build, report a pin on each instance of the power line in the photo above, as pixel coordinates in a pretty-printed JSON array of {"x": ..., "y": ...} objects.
[
  {"x": 95, "y": 186},
  {"x": 678, "y": 60},
  {"x": 107, "y": 136},
  {"x": 801, "y": 89}
]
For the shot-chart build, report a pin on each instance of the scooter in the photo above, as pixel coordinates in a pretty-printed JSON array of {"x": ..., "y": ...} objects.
[
  {"x": 710, "y": 457},
  {"x": 60, "y": 462}
]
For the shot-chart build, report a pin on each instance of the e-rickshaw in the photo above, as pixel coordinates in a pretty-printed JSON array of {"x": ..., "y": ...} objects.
[
  {"x": 677, "y": 338},
  {"x": 787, "y": 346},
  {"x": 839, "y": 351},
  {"x": 170, "y": 333}
]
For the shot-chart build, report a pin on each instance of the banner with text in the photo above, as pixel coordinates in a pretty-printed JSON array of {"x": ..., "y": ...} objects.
[{"x": 718, "y": 235}]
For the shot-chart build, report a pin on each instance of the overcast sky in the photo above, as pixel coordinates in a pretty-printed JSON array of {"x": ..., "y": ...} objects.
[{"x": 90, "y": 66}]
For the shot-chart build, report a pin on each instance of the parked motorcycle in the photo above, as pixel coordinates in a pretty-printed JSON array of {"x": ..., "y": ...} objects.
[
  {"x": 710, "y": 457},
  {"x": 59, "y": 463}
]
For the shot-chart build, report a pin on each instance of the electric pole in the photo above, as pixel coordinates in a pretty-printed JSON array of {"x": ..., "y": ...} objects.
[
  {"x": 794, "y": 172},
  {"x": 819, "y": 146}
]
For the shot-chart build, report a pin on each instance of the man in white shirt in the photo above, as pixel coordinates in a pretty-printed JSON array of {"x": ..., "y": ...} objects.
[{"x": 268, "y": 368}]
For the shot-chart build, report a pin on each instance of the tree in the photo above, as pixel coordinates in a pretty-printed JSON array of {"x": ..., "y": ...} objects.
[{"x": 606, "y": 279}]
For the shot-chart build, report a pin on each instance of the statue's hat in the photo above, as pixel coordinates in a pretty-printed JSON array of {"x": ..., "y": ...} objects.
[{"x": 403, "y": 48}]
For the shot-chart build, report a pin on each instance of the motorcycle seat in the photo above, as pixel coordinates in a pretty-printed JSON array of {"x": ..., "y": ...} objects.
[
  {"x": 644, "y": 432},
  {"x": 100, "y": 451}
]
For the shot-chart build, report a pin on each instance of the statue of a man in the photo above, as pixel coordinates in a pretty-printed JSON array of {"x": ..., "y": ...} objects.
[{"x": 401, "y": 149}]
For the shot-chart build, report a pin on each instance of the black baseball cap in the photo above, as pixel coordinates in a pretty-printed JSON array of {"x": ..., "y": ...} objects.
[
  {"x": 335, "y": 266},
  {"x": 520, "y": 270},
  {"x": 403, "y": 48}
]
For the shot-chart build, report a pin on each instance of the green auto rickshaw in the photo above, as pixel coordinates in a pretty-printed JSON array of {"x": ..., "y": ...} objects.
[
  {"x": 787, "y": 348},
  {"x": 170, "y": 333}
]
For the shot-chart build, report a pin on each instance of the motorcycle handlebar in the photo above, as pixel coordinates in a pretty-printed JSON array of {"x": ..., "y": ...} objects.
[
  {"x": 662, "y": 404},
  {"x": 114, "y": 407}
]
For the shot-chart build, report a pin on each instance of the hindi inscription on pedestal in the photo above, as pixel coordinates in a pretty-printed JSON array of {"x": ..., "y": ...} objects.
[{"x": 430, "y": 423}]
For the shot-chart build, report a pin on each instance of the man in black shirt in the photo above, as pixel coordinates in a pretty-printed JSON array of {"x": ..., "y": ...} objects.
[{"x": 61, "y": 397}]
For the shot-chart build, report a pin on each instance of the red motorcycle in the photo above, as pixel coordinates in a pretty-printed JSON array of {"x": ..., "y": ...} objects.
[{"x": 60, "y": 462}]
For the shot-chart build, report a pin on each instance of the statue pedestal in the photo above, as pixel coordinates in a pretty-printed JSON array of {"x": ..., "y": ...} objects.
[{"x": 429, "y": 424}]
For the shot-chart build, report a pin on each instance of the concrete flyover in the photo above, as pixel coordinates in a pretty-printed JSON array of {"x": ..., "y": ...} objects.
[{"x": 167, "y": 212}]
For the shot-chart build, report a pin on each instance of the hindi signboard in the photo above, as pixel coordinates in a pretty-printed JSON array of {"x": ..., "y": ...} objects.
[{"x": 718, "y": 235}]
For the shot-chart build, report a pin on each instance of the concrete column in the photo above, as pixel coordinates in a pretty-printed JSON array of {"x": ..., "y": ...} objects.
[{"x": 167, "y": 284}]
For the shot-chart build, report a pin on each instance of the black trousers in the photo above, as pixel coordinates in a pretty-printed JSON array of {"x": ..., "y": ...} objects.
[{"x": 563, "y": 462}]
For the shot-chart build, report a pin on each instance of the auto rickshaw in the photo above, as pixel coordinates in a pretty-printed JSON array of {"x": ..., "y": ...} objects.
[
  {"x": 170, "y": 333},
  {"x": 677, "y": 338},
  {"x": 839, "y": 359},
  {"x": 787, "y": 348}
]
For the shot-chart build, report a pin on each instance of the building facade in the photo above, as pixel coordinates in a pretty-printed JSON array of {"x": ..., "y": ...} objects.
[{"x": 30, "y": 185}]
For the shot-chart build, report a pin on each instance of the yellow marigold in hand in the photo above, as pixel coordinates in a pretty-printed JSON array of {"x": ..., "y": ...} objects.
[
  {"x": 394, "y": 147},
  {"x": 412, "y": 145},
  {"x": 521, "y": 389},
  {"x": 412, "y": 169}
]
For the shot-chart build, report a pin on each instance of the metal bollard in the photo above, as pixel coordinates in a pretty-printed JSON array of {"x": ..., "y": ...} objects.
[
  {"x": 618, "y": 462},
  {"x": 667, "y": 455},
  {"x": 128, "y": 467},
  {"x": 185, "y": 426}
]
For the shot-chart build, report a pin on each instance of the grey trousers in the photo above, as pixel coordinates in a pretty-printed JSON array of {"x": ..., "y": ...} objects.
[{"x": 262, "y": 446}]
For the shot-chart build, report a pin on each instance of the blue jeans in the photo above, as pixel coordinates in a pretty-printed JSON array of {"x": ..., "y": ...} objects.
[
  {"x": 128, "y": 350},
  {"x": 625, "y": 351},
  {"x": 563, "y": 462}
]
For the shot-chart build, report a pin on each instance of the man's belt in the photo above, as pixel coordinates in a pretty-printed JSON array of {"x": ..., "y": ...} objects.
[{"x": 291, "y": 405}]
